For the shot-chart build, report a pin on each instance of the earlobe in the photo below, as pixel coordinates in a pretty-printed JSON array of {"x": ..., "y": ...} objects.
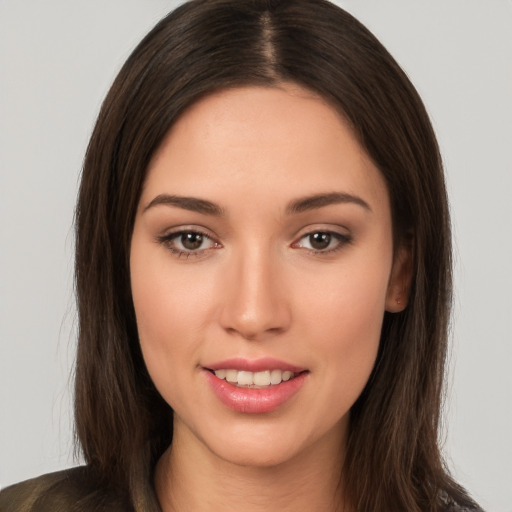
[{"x": 400, "y": 280}]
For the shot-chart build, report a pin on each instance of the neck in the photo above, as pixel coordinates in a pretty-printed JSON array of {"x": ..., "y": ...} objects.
[{"x": 190, "y": 478}]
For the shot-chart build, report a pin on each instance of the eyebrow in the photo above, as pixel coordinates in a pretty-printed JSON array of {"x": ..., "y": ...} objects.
[
  {"x": 320, "y": 200},
  {"x": 300, "y": 205},
  {"x": 192, "y": 204}
]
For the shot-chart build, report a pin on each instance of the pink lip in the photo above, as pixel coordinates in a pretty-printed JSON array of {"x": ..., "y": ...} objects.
[
  {"x": 254, "y": 401},
  {"x": 258, "y": 365}
]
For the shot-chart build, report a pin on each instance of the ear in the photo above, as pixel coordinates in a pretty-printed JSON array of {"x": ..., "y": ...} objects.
[{"x": 400, "y": 279}]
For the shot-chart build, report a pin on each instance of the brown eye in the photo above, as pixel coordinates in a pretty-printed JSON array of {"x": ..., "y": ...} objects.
[
  {"x": 320, "y": 241},
  {"x": 191, "y": 241},
  {"x": 323, "y": 242},
  {"x": 188, "y": 243}
]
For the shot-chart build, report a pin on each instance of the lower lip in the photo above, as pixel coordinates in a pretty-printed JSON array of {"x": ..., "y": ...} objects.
[{"x": 254, "y": 401}]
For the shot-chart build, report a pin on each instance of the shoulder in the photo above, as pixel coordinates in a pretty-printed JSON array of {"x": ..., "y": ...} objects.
[
  {"x": 449, "y": 505},
  {"x": 454, "y": 507},
  {"x": 72, "y": 490}
]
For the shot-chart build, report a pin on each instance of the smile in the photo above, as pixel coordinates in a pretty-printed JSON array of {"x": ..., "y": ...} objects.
[
  {"x": 254, "y": 380},
  {"x": 255, "y": 387}
]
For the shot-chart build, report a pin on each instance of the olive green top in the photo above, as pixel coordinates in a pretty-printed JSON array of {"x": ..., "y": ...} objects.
[
  {"x": 75, "y": 490},
  {"x": 72, "y": 490}
]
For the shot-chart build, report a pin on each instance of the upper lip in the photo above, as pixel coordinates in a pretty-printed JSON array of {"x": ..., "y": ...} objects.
[{"x": 256, "y": 365}]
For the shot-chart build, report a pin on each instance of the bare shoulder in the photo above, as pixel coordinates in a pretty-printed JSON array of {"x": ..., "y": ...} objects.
[{"x": 72, "y": 490}]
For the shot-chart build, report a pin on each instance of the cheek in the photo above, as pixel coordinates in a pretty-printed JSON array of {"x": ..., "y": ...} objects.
[
  {"x": 348, "y": 304},
  {"x": 168, "y": 308},
  {"x": 164, "y": 309},
  {"x": 349, "y": 328},
  {"x": 343, "y": 316}
]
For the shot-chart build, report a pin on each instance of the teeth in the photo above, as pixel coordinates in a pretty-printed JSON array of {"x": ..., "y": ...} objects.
[
  {"x": 231, "y": 375},
  {"x": 245, "y": 379},
  {"x": 254, "y": 379},
  {"x": 276, "y": 376},
  {"x": 262, "y": 378},
  {"x": 221, "y": 374}
]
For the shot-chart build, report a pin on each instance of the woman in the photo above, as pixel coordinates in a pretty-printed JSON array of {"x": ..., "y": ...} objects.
[{"x": 263, "y": 275}]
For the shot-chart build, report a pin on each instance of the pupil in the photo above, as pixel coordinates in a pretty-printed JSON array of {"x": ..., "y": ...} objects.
[
  {"x": 320, "y": 240},
  {"x": 191, "y": 241}
]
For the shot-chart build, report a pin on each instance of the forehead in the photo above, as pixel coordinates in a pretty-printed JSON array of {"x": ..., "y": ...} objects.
[{"x": 280, "y": 141}]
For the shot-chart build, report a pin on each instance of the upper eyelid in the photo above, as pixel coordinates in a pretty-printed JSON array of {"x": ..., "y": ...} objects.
[
  {"x": 168, "y": 240},
  {"x": 335, "y": 229},
  {"x": 169, "y": 232},
  {"x": 342, "y": 240},
  {"x": 341, "y": 236},
  {"x": 326, "y": 231},
  {"x": 173, "y": 233}
]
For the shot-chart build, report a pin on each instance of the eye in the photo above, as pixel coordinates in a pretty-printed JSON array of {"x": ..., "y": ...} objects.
[
  {"x": 191, "y": 241},
  {"x": 188, "y": 242},
  {"x": 323, "y": 241}
]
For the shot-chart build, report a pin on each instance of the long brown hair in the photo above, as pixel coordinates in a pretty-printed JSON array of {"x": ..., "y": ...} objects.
[{"x": 122, "y": 424}]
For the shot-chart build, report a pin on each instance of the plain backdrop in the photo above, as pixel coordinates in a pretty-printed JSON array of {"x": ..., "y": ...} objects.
[{"x": 57, "y": 59}]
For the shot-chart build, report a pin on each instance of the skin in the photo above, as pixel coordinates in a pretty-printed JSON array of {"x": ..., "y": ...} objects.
[{"x": 259, "y": 287}]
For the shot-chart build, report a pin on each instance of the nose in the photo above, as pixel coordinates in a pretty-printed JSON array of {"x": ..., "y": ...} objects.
[{"x": 255, "y": 305}]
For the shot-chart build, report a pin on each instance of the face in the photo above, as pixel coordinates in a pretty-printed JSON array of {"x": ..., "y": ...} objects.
[{"x": 261, "y": 267}]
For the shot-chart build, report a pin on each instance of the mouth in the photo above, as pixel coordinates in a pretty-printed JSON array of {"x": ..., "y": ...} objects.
[
  {"x": 254, "y": 386},
  {"x": 255, "y": 380}
]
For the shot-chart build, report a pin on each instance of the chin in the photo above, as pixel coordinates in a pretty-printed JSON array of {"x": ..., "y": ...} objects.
[
  {"x": 254, "y": 455},
  {"x": 266, "y": 445}
]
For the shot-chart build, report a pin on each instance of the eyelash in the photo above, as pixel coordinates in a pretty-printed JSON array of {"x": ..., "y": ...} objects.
[
  {"x": 169, "y": 242},
  {"x": 342, "y": 240}
]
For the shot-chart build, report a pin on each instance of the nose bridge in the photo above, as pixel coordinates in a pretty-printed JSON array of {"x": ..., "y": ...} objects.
[{"x": 255, "y": 305}]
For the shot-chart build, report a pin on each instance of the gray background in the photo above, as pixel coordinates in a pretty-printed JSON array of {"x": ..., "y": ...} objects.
[{"x": 57, "y": 59}]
